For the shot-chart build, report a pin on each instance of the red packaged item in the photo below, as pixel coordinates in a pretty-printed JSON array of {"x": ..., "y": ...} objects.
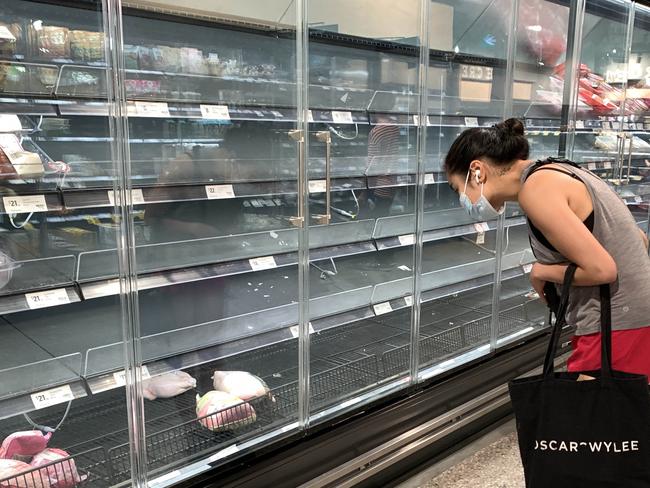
[
  {"x": 11, "y": 475},
  {"x": 24, "y": 444},
  {"x": 59, "y": 468}
]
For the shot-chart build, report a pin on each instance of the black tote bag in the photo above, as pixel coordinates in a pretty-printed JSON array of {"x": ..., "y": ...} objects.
[{"x": 591, "y": 434}]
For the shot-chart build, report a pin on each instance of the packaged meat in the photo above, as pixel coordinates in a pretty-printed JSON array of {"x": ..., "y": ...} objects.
[
  {"x": 11, "y": 477},
  {"x": 53, "y": 42},
  {"x": 218, "y": 410},
  {"x": 167, "y": 385},
  {"x": 7, "y": 41},
  {"x": 24, "y": 444},
  {"x": 15, "y": 162},
  {"x": 86, "y": 45},
  {"x": 241, "y": 384},
  {"x": 58, "y": 468},
  {"x": 192, "y": 61}
]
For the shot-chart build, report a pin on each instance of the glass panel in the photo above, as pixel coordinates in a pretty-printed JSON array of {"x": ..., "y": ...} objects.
[
  {"x": 636, "y": 174},
  {"x": 538, "y": 91},
  {"x": 363, "y": 98},
  {"x": 466, "y": 89},
  {"x": 599, "y": 139},
  {"x": 48, "y": 326},
  {"x": 212, "y": 107}
]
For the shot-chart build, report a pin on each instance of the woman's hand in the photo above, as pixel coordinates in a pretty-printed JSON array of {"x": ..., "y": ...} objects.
[{"x": 537, "y": 282}]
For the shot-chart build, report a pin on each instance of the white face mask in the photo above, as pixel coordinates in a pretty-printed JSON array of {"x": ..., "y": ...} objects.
[{"x": 482, "y": 210}]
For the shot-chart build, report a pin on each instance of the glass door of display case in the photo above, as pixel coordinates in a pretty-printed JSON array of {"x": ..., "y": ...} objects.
[
  {"x": 214, "y": 145},
  {"x": 539, "y": 97},
  {"x": 62, "y": 361},
  {"x": 362, "y": 139},
  {"x": 636, "y": 160},
  {"x": 466, "y": 79}
]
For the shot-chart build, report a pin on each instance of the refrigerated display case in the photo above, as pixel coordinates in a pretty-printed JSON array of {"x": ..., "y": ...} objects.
[{"x": 228, "y": 227}]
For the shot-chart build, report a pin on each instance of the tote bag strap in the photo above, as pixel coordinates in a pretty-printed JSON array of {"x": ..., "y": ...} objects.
[
  {"x": 606, "y": 331},
  {"x": 560, "y": 321}
]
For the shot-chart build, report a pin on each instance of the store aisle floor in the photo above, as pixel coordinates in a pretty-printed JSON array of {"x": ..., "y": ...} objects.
[
  {"x": 491, "y": 461},
  {"x": 495, "y": 466}
]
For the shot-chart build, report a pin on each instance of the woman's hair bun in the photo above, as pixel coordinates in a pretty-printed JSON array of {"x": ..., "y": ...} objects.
[{"x": 512, "y": 126}]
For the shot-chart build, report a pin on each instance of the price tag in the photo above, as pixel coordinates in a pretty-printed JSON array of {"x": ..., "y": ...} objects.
[
  {"x": 407, "y": 239},
  {"x": 638, "y": 199},
  {"x": 527, "y": 268},
  {"x": 342, "y": 117},
  {"x": 152, "y": 109},
  {"x": 408, "y": 300},
  {"x": 215, "y": 112},
  {"x": 317, "y": 186},
  {"x": 295, "y": 330},
  {"x": 606, "y": 125},
  {"x": 382, "y": 308},
  {"x": 120, "y": 376},
  {"x": 47, "y": 298},
  {"x": 137, "y": 198},
  {"x": 310, "y": 116},
  {"x": 416, "y": 120},
  {"x": 580, "y": 124},
  {"x": 10, "y": 122},
  {"x": 26, "y": 204},
  {"x": 258, "y": 264},
  {"x": 607, "y": 165},
  {"x": 482, "y": 227},
  {"x": 219, "y": 192},
  {"x": 591, "y": 166},
  {"x": 471, "y": 121},
  {"x": 5, "y": 33},
  {"x": 53, "y": 396},
  {"x": 480, "y": 238},
  {"x": 429, "y": 179}
]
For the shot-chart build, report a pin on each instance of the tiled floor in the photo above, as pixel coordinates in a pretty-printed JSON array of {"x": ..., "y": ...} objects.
[
  {"x": 495, "y": 466},
  {"x": 491, "y": 461}
]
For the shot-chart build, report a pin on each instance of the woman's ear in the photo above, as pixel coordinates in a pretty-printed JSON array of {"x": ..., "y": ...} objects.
[{"x": 477, "y": 170}]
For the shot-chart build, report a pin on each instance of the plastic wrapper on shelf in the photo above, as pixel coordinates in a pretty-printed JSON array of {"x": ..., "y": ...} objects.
[
  {"x": 13, "y": 474},
  {"x": 142, "y": 87},
  {"x": 7, "y": 267},
  {"x": 166, "y": 58},
  {"x": 131, "y": 57},
  {"x": 57, "y": 467},
  {"x": 241, "y": 384},
  {"x": 193, "y": 62},
  {"x": 24, "y": 444},
  {"x": 15, "y": 162},
  {"x": 542, "y": 29},
  {"x": 167, "y": 385},
  {"x": 8, "y": 40},
  {"x": 52, "y": 41},
  {"x": 218, "y": 410},
  {"x": 86, "y": 45}
]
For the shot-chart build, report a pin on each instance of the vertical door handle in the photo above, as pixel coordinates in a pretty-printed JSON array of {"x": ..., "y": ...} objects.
[
  {"x": 298, "y": 136},
  {"x": 326, "y": 137}
]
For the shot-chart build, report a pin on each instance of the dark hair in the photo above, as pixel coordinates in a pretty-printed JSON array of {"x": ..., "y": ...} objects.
[{"x": 502, "y": 144}]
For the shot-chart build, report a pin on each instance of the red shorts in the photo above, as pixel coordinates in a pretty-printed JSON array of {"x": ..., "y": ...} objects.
[{"x": 630, "y": 351}]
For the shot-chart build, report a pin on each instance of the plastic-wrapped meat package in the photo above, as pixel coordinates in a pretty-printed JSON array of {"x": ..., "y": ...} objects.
[
  {"x": 542, "y": 29},
  {"x": 63, "y": 473},
  {"x": 53, "y": 41},
  {"x": 218, "y": 410},
  {"x": 167, "y": 385},
  {"x": 24, "y": 444},
  {"x": 607, "y": 142},
  {"x": 242, "y": 384},
  {"x": 11, "y": 477}
]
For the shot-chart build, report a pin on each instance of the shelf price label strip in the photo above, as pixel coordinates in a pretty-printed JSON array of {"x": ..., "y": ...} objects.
[
  {"x": 47, "y": 298},
  {"x": 25, "y": 204},
  {"x": 219, "y": 192},
  {"x": 137, "y": 197},
  {"x": 53, "y": 396}
]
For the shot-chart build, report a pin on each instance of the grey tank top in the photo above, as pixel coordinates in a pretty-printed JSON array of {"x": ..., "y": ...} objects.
[{"x": 617, "y": 231}]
